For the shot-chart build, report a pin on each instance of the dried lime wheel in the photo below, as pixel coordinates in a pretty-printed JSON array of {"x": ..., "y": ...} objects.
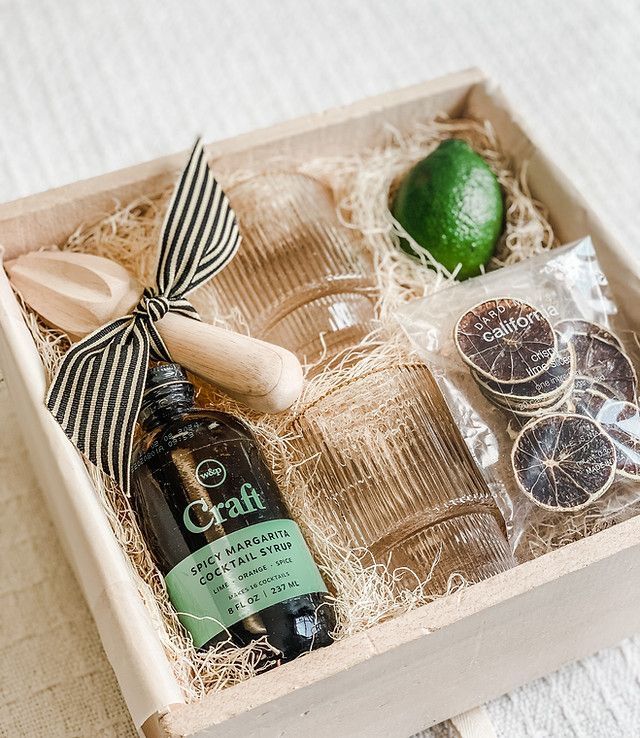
[
  {"x": 542, "y": 391},
  {"x": 577, "y": 326},
  {"x": 621, "y": 422},
  {"x": 606, "y": 366},
  {"x": 563, "y": 462},
  {"x": 531, "y": 407},
  {"x": 506, "y": 340},
  {"x": 559, "y": 406},
  {"x": 588, "y": 401}
]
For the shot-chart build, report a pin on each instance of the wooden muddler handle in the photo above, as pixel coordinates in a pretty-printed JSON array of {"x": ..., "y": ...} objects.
[
  {"x": 265, "y": 377},
  {"x": 78, "y": 293}
]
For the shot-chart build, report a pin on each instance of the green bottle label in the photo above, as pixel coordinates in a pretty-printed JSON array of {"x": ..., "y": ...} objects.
[{"x": 239, "y": 575}]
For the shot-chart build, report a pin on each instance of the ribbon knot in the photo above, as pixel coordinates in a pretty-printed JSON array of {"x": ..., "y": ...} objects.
[
  {"x": 155, "y": 306},
  {"x": 97, "y": 391}
]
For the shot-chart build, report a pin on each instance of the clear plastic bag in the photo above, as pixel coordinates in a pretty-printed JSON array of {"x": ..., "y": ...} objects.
[{"x": 538, "y": 369}]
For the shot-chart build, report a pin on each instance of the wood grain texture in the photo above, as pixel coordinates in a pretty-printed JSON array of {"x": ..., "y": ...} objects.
[{"x": 265, "y": 377}]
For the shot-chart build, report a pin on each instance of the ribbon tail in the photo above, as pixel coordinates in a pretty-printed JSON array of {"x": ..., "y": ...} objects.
[
  {"x": 97, "y": 393},
  {"x": 200, "y": 234}
]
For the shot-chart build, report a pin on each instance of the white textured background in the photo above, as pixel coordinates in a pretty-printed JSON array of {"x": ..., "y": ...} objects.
[{"x": 89, "y": 86}]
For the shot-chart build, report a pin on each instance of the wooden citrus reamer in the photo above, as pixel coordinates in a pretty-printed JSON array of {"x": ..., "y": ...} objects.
[{"x": 78, "y": 293}]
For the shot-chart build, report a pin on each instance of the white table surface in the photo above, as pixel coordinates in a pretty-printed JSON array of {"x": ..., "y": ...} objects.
[{"x": 88, "y": 86}]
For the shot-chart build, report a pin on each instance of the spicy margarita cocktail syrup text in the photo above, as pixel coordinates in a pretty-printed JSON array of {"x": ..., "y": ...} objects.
[{"x": 235, "y": 564}]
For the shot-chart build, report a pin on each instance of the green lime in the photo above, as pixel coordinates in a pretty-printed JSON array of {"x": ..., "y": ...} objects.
[{"x": 451, "y": 204}]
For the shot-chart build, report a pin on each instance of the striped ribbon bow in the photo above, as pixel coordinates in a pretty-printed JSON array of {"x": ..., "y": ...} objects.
[{"x": 97, "y": 392}]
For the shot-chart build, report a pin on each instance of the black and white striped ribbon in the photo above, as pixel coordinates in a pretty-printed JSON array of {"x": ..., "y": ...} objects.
[{"x": 97, "y": 391}]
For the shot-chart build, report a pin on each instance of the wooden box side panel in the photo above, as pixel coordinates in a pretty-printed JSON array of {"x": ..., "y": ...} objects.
[
  {"x": 49, "y": 218},
  {"x": 128, "y": 635},
  {"x": 444, "y": 658}
]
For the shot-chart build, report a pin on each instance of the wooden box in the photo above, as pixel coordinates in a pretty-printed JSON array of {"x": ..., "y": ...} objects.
[{"x": 405, "y": 674}]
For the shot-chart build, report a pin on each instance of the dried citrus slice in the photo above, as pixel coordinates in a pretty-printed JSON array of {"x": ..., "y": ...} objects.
[
  {"x": 540, "y": 391},
  {"x": 621, "y": 422},
  {"x": 563, "y": 462},
  {"x": 589, "y": 402},
  {"x": 559, "y": 406},
  {"x": 585, "y": 384},
  {"x": 581, "y": 327},
  {"x": 606, "y": 365},
  {"x": 529, "y": 406},
  {"x": 533, "y": 406},
  {"x": 506, "y": 340}
]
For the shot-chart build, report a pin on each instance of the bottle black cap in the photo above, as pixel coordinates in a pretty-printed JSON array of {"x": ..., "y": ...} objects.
[
  {"x": 166, "y": 390},
  {"x": 163, "y": 375}
]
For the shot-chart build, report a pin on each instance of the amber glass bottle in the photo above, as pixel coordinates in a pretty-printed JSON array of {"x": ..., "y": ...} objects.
[{"x": 235, "y": 564}]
